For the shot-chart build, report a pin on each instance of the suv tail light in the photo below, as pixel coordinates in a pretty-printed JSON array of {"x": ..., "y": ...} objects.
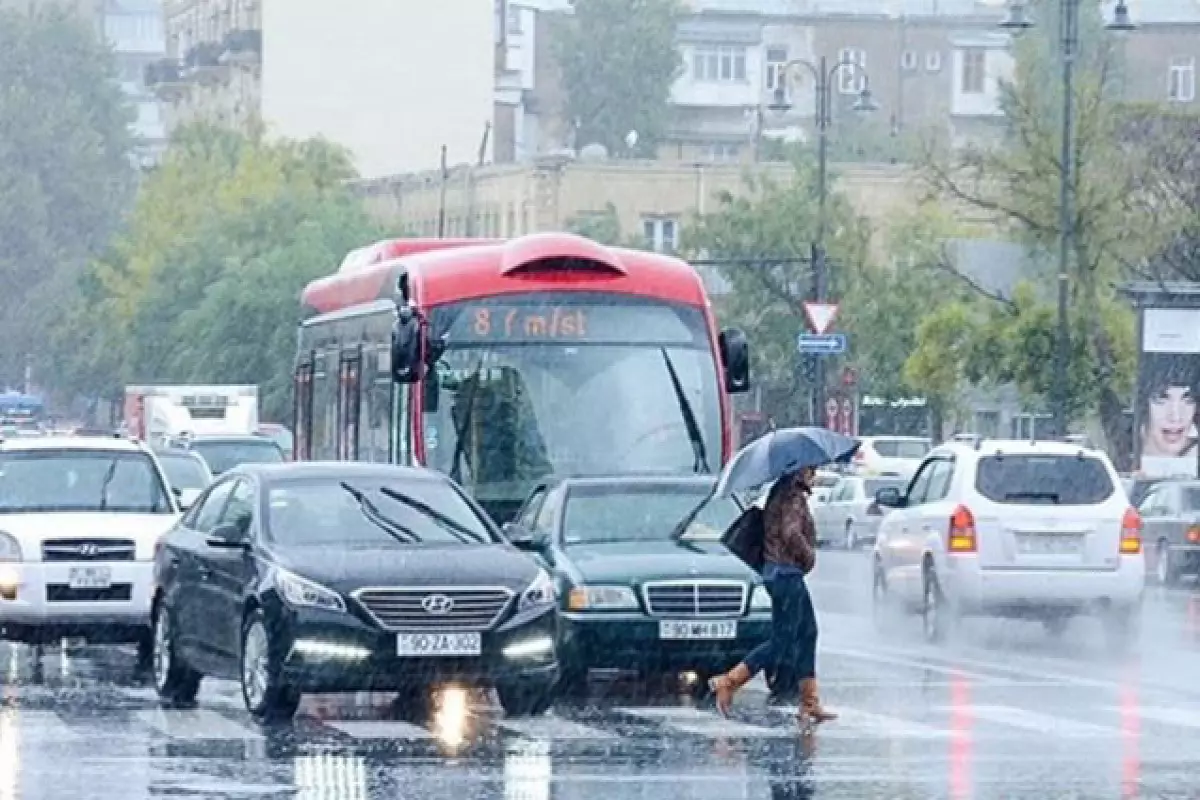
[
  {"x": 874, "y": 510},
  {"x": 1193, "y": 534},
  {"x": 962, "y": 532},
  {"x": 1131, "y": 532}
]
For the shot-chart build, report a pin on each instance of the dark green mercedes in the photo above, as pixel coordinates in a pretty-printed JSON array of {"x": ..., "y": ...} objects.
[{"x": 631, "y": 598}]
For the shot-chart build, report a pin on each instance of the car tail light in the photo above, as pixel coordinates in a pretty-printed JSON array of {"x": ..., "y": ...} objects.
[
  {"x": 1131, "y": 533},
  {"x": 962, "y": 532},
  {"x": 1193, "y": 534},
  {"x": 874, "y": 510}
]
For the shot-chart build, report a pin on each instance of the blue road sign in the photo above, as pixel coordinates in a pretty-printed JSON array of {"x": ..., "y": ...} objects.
[{"x": 822, "y": 344}]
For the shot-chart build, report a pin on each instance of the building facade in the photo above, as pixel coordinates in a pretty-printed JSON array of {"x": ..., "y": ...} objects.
[{"x": 134, "y": 30}]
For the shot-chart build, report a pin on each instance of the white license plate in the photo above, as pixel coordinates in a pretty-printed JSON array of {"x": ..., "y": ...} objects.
[
  {"x": 428, "y": 645},
  {"x": 682, "y": 629},
  {"x": 89, "y": 578},
  {"x": 1049, "y": 545}
]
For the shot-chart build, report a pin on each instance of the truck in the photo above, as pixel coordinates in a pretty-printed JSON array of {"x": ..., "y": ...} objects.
[{"x": 161, "y": 415}]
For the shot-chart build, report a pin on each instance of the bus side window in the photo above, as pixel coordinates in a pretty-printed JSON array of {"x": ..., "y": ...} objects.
[
  {"x": 377, "y": 401},
  {"x": 325, "y": 408},
  {"x": 303, "y": 407}
]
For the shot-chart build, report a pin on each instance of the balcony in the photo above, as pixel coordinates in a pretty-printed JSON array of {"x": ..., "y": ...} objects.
[
  {"x": 165, "y": 78},
  {"x": 242, "y": 47},
  {"x": 203, "y": 62}
]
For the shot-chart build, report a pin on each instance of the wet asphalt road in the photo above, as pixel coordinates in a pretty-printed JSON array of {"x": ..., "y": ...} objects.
[{"x": 1002, "y": 711}]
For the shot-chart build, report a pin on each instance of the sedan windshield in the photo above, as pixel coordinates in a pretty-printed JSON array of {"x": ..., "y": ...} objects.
[
  {"x": 184, "y": 472},
  {"x": 603, "y": 514},
  {"x": 223, "y": 456},
  {"x": 80, "y": 480},
  {"x": 324, "y": 512}
]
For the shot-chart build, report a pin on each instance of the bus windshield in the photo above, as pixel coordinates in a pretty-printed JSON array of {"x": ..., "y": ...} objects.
[{"x": 569, "y": 384}]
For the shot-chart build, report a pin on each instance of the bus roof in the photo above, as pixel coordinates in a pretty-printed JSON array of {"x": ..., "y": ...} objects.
[{"x": 448, "y": 270}]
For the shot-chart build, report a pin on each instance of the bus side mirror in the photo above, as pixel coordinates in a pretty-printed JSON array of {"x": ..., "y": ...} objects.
[
  {"x": 432, "y": 391},
  {"x": 735, "y": 357},
  {"x": 407, "y": 334}
]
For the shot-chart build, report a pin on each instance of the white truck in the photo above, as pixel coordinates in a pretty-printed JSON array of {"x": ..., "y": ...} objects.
[{"x": 160, "y": 414}]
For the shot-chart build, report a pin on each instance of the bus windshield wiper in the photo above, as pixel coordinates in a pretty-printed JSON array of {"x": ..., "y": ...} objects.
[
  {"x": 689, "y": 418},
  {"x": 453, "y": 526},
  {"x": 464, "y": 423},
  {"x": 372, "y": 513}
]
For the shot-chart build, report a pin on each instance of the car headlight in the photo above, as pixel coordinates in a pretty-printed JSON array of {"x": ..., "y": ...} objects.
[
  {"x": 299, "y": 591},
  {"x": 601, "y": 598},
  {"x": 10, "y": 548},
  {"x": 540, "y": 593},
  {"x": 760, "y": 600}
]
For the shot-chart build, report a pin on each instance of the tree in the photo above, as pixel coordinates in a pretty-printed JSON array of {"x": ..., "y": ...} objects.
[
  {"x": 204, "y": 285},
  {"x": 65, "y": 173},
  {"x": 618, "y": 60},
  {"x": 1018, "y": 184},
  {"x": 764, "y": 237},
  {"x": 605, "y": 227}
]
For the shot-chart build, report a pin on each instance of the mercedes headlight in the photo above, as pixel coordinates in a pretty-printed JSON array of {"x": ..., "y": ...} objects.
[
  {"x": 760, "y": 600},
  {"x": 301, "y": 592},
  {"x": 602, "y": 598},
  {"x": 10, "y": 548},
  {"x": 539, "y": 594}
]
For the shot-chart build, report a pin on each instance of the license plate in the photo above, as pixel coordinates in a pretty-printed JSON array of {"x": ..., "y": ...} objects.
[
  {"x": 682, "y": 629},
  {"x": 1049, "y": 545},
  {"x": 425, "y": 645},
  {"x": 89, "y": 578}
]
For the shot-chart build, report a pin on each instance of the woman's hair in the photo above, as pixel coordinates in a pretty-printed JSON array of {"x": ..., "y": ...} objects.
[{"x": 1161, "y": 371}]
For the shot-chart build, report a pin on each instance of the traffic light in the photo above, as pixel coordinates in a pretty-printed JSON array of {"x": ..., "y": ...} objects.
[{"x": 808, "y": 368}]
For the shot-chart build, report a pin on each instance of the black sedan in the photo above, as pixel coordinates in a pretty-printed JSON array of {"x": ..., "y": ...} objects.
[
  {"x": 633, "y": 598},
  {"x": 332, "y": 577}
]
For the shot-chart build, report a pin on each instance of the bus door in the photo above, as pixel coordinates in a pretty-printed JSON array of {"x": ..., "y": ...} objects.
[
  {"x": 349, "y": 377},
  {"x": 302, "y": 387}
]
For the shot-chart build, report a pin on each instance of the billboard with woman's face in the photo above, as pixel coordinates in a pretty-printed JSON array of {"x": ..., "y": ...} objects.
[{"x": 1168, "y": 388}]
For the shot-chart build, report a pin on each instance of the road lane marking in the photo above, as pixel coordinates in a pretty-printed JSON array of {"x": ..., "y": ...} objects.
[
  {"x": 852, "y": 722},
  {"x": 378, "y": 729},
  {"x": 553, "y": 728},
  {"x": 194, "y": 724},
  {"x": 909, "y": 663},
  {"x": 1031, "y": 721},
  {"x": 703, "y": 723},
  {"x": 1166, "y": 716},
  {"x": 41, "y": 726}
]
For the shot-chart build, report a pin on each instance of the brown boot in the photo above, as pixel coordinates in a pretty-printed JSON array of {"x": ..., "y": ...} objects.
[
  {"x": 724, "y": 687},
  {"x": 810, "y": 704}
]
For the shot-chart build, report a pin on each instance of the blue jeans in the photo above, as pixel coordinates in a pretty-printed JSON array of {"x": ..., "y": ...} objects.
[{"x": 792, "y": 648}]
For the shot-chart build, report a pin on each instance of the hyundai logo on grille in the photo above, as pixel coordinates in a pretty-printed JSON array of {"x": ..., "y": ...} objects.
[
  {"x": 88, "y": 550},
  {"x": 437, "y": 604}
]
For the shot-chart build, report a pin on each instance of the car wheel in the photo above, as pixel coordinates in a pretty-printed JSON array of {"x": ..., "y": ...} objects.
[
  {"x": 934, "y": 609},
  {"x": 1122, "y": 628},
  {"x": 572, "y": 682},
  {"x": 882, "y": 613},
  {"x": 175, "y": 682},
  {"x": 525, "y": 698},
  {"x": 145, "y": 652},
  {"x": 266, "y": 696}
]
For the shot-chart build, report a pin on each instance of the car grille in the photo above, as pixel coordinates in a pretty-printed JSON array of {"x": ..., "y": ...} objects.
[
  {"x": 410, "y": 609},
  {"x": 695, "y": 599},
  {"x": 89, "y": 550},
  {"x": 62, "y": 593}
]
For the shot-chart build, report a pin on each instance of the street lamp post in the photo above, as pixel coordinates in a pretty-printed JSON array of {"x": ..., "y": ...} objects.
[
  {"x": 1018, "y": 20},
  {"x": 823, "y": 76}
]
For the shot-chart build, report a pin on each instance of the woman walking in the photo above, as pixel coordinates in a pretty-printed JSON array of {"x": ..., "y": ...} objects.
[{"x": 789, "y": 553}]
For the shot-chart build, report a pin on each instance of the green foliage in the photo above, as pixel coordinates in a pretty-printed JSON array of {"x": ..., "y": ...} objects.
[
  {"x": 204, "y": 288},
  {"x": 765, "y": 235},
  {"x": 65, "y": 174},
  {"x": 605, "y": 227},
  {"x": 944, "y": 351},
  {"x": 618, "y": 60}
]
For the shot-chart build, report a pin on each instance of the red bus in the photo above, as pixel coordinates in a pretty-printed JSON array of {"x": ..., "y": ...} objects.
[{"x": 501, "y": 363}]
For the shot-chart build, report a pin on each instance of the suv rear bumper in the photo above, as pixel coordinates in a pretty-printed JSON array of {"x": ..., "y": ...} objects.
[{"x": 1017, "y": 592}]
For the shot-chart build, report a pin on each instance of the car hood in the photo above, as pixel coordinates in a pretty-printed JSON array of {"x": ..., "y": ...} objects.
[
  {"x": 30, "y": 530},
  {"x": 347, "y": 569},
  {"x": 634, "y": 562}
]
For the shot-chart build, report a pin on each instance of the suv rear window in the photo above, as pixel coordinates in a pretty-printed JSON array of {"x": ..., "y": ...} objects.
[
  {"x": 1043, "y": 480},
  {"x": 900, "y": 448}
]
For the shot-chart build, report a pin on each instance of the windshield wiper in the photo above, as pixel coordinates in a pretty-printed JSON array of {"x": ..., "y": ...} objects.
[
  {"x": 372, "y": 513},
  {"x": 1051, "y": 496},
  {"x": 453, "y": 526},
  {"x": 461, "y": 428},
  {"x": 108, "y": 479},
  {"x": 689, "y": 418}
]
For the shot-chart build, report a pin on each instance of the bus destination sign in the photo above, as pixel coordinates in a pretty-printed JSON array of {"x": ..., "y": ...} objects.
[{"x": 571, "y": 322}]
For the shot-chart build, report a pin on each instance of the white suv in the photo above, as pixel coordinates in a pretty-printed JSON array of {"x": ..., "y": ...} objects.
[
  {"x": 80, "y": 518},
  {"x": 1034, "y": 530}
]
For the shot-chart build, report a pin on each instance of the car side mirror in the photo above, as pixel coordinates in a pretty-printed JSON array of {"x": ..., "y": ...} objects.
[
  {"x": 735, "y": 358},
  {"x": 186, "y": 497},
  {"x": 889, "y": 497},
  {"x": 523, "y": 538},
  {"x": 228, "y": 537}
]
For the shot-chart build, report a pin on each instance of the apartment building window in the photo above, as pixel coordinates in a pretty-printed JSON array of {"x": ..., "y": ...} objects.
[
  {"x": 723, "y": 151},
  {"x": 514, "y": 20},
  {"x": 719, "y": 63},
  {"x": 776, "y": 66},
  {"x": 933, "y": 61},
  {"x": 851, "y": 80},
  {"x": 909, "y": 60},
  {"x": 974, "y": 61},
  {"x": 1181, "y": 80},
  {"x": 661, "y": 233}
]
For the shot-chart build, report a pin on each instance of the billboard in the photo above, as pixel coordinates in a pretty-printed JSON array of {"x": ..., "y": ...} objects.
[{"x": 1167, "y": 387}]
